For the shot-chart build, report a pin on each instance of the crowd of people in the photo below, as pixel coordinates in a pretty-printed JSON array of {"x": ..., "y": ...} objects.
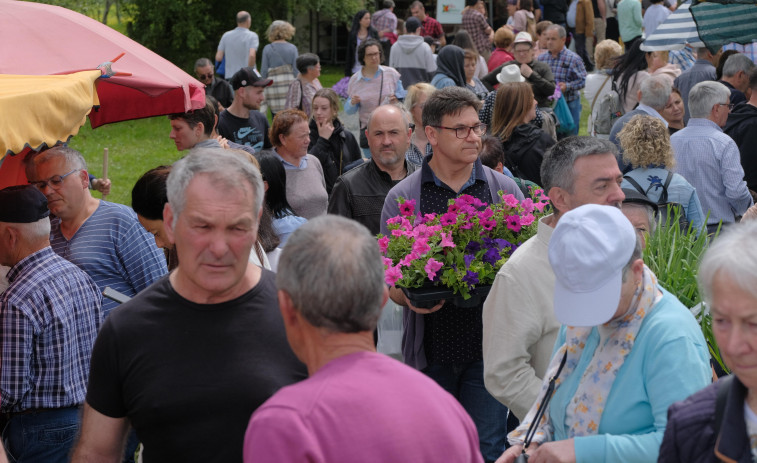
[{"x": 230, "y": 314}]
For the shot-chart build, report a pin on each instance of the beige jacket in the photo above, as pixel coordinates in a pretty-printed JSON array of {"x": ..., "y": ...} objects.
[{"x": 520, "y": 327}]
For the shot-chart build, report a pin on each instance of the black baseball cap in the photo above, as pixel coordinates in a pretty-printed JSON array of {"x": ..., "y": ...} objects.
[{"x": 246, "y": 77}]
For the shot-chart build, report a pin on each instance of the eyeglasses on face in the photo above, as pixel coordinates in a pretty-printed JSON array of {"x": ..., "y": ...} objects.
[
  {"x": 464, "y": 132},
  {"x": 55, "y": 182},
  {"x": 205, "y": 76},
  {"x": 730, "y": 105}
]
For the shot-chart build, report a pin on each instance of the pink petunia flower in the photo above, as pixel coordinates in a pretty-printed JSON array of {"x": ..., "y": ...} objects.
[
  {"x": 449, "y": 218},
  {"x": 486, "y": 214},
  {"x": 392, "y": 275},
  {"x": 527, "y": 220},
  {"x": 488, "y": 224},
  {"x": 421, "y": 246},
  {"x": 383, "y": 243},
  {"x": 408, "y": 207},
  {"x": 447, "y": 240},
  {"x": 394, "y": 220},
  {"x": 432, "y": 266},
  {"x": 513, "y": 223},
  {"x": 387, "y": 262},
  {"x": 510, "y": 200},
  {"x": 408, "y": 259},
  {"x": 540, "y": 206},
  {"x": 528, "y": 205}
]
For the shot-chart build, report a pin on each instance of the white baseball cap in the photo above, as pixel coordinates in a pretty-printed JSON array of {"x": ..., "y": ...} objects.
[
  {"x": 588, "y": 250},
  {"x": 510, "y": 73}
]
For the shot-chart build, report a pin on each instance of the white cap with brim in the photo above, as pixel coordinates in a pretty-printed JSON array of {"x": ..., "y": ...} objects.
[{"x": 588, "y": 250}]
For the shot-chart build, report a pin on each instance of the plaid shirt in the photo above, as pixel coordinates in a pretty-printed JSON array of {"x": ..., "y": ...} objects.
[
  {"x": 568, "y": 68},
  {"x": 49, "y": 315},
  {"x": 475, "y": 23},
  {"x": 749, "y": 49},
  {"x": 684, "y": 58},
  {"x": 384, "y": 20},
  {"x": 430, "y": 27}
]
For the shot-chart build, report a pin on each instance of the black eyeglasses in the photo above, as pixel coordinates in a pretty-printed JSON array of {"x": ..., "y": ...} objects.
[
  {"x": 55, "y": 182},
  {"x": 730, "y": 105},
  {"x": 464, "y": 132},
  {"x": 205, "y": 76}
]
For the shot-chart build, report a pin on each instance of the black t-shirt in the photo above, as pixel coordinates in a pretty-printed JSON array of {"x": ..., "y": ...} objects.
[
  {"x": 189, "y": 376},
  {"x": 252, "y": 131}
]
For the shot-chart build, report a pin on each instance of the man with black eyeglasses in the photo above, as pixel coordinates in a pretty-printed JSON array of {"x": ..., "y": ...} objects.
[
  {"x": 102, "y": 238},
  {"x": 445, "y": 342},
  {"x": 219, "y": 89}
]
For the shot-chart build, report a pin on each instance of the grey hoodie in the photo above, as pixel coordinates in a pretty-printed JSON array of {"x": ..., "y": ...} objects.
[{"x": 412, "y": 58}]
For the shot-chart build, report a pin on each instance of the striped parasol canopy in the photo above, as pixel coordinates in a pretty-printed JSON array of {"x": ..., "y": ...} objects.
[
  {"x": 725, "y": 21},
  {"x": 675, "y": 32}
]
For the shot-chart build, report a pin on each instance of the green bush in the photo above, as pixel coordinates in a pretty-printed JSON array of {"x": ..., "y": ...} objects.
[{"x": 674, "y": 257}]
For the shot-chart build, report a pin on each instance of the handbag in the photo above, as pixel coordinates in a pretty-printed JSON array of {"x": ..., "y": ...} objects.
[{"x": 564, "y": 117}]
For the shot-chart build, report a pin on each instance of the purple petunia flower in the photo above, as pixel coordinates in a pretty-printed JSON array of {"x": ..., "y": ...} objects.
[
  {"x": 491, "y": 256},
  {"x": 471, "y": 278},
  {"x": 468, "y": 258},
  {"x": 473, "y": 246}
]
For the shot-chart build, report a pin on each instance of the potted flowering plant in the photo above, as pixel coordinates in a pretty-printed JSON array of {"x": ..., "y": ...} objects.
[{"x": 456, "y": 255}]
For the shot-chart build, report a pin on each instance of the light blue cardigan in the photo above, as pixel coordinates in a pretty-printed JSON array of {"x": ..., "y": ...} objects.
[{"x": 668, "y": 362}]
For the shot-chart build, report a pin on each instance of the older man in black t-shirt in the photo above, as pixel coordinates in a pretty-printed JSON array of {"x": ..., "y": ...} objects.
[{"x": 189, "y": 359}]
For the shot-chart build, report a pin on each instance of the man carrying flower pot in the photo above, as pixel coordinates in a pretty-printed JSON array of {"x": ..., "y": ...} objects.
[
  {"x": 519, "y": 322},
  {"x": 445, "y": 341}
]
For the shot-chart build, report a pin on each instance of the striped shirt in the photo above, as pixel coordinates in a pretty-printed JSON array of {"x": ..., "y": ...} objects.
[
  {"x": 113, "y": 249},
  {"x": 710, "y": 161},
  {"x": 568, "y": 68},
  {"x": 684, "y": 58},
  {"x": 50, "y": 316}
]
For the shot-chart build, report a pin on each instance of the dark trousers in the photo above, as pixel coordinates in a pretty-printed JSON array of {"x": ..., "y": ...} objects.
[{"x": 44, "y": 437}]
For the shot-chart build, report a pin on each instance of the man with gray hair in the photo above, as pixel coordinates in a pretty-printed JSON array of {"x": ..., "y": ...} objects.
[
  {"x": 102, "y": 238},
  {"x": 702, "y": 70},
  {"x": 219, "y": 89},
  {"x": 209, "y": 333},
  {"x": 49, "y": 317},
  {"x": 568, "y": 69},
  {"x": 331, "y": 289},
  {"x": 709, "y": 159},
  {"x": 520, "y": 327},
  {"x": 736, "y": 76},
  {"x": 239, "y": 46},
  {"x": 654, "y": 93},
  {"x": 445, "y": 341}
]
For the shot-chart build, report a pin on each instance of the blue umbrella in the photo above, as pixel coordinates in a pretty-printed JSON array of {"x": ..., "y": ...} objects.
[{"x": 675, "y": 32}]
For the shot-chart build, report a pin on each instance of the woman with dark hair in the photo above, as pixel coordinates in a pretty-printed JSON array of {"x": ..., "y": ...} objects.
[
  {"x": 306, "y": 187},
  {"x": 148, "y": 198},
  {"x": 330, "y": 142},
  {"x": 450, "y": 68},
  {"x": 524, "y": 143},
  {"x": 371, "y": 86},
  {"x": 523, "y": 19},
  {"x": 463, "y": 40},
  {"x": 361, "y": 31},
  {"x": 302, "y": 89},
  {"x": 628, "y": 72},
  {"x": 285, "y": 221}
]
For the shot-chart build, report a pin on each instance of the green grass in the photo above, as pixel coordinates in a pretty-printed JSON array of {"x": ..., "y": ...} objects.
[{"x": 137, "y": 146}]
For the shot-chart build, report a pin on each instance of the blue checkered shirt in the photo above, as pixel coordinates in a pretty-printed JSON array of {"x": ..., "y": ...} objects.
[
  {"x": 49, "y": 318},
  {"x": 710, "y": 160},
  {"x": 569, "y": 68},
  {"x": 684, "y": 58}
]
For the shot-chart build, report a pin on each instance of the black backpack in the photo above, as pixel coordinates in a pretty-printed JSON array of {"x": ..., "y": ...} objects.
[{"x": 667, "y": 211}]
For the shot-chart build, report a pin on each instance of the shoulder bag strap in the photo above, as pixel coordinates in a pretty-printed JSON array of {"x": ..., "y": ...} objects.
[
  {"x": 635, "y": 185},
  {"x": 302, "y": 95},
  {"x": 381, "y": 87},
  {"x": 664, "y": 194},
  {"x": 598, "y": 92},
  {"x": 724, "y": 386}
]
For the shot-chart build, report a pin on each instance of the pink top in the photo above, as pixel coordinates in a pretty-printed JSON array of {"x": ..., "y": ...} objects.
[{"x": 364, "y": 407}]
